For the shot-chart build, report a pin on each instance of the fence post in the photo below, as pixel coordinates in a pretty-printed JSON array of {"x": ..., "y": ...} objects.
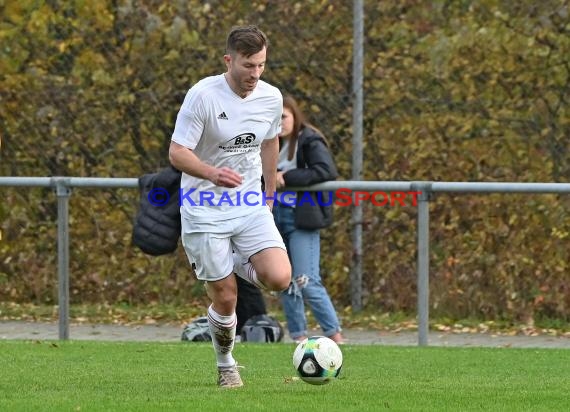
[
  {"x": 357, "y": 132},
  {"x": 423, "y": 260},
  {"x": 63, "y": 191}
]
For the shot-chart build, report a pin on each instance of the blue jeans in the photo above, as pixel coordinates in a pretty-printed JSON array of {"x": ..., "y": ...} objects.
[{"x": 303, "y": 247}]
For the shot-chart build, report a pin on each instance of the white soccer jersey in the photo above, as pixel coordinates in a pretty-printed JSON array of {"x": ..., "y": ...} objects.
[{"x": 224, "y": 129}]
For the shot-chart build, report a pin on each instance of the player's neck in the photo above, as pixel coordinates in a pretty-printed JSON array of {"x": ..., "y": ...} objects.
[{"x": 235, "y": 89}]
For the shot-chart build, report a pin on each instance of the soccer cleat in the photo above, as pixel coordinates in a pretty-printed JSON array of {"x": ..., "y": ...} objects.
[{"x": 228, "y": 377}]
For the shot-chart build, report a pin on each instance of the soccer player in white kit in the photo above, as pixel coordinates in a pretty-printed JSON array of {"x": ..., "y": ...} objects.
[{"x": 224, "y": 140}]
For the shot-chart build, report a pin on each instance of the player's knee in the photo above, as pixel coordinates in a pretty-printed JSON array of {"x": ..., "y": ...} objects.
[
  {"x": 223, "y": 298},
  {"x": 273, "y": 269},
  {"x": 280, "y": 279}
]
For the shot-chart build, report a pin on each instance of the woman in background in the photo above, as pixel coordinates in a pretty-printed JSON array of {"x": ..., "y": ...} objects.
[{"x": 304, "y": 159}]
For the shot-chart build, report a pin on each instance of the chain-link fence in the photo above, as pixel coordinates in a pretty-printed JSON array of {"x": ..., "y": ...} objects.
[{"x": 453, "y": 90}]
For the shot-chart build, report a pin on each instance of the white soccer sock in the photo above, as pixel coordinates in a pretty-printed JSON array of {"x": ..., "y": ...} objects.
[
  {"x": 246, "y": 271},
  {"x": 223, "y": 331}
]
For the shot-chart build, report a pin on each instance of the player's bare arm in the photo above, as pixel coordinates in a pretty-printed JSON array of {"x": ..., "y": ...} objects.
[
  {"x": 186, "y": 161},
  {"x": 269, "y": 156}
]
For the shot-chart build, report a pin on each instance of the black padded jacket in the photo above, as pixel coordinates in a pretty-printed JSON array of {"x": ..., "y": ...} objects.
[
  {"x": 314, "y": 161},
  {"x": 157, "y": 224},
  {"x": 314, "y": 165}
]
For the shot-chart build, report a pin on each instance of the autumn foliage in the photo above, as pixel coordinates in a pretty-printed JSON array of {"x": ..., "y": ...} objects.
[{"x": 454, "y": 91}]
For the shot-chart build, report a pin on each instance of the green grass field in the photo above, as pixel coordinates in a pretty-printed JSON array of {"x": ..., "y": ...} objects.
[{"x": 136, "y": 376}]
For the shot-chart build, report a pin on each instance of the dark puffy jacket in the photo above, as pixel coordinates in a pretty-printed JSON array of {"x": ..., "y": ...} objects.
[
  {"x": 314, "y": 161},
  {"x": 314, "y": 165},
  {"x": 157, "y": 225}
]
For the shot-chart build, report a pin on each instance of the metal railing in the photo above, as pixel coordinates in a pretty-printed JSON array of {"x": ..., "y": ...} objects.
[{"x": 63, "y": 186}]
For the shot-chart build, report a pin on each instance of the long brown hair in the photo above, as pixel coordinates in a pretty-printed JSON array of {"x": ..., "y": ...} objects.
[{"x": 299, "y": 122}]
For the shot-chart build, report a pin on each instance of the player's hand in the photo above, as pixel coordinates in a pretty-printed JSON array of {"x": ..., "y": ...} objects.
[
  {"x": 279, "y": 181},
  {"x": 226, "y": 177}
]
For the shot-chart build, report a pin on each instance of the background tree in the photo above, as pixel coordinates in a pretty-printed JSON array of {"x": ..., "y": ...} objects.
[{"x": 470, "y": 90}]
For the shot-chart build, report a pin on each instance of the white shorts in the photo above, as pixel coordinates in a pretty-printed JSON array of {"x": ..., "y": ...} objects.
[{"x": 209, "y": 247}]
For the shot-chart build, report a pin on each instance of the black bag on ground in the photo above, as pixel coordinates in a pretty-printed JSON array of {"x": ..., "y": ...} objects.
[
  {"x": 197, "y": 331},
  {"x": 262, "y": 329}
]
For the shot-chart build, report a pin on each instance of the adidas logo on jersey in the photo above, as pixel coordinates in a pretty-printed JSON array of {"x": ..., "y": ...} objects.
[{"x": 223, "y": 116}]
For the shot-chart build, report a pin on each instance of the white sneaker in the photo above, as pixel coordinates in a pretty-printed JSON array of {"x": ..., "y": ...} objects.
[{"x": 228, "y": 377}]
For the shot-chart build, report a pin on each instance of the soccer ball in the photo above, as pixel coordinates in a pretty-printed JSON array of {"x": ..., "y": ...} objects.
[{"x": 317, "y": 360}]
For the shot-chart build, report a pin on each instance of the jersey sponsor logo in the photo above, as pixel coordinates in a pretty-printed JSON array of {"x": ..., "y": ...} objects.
[
  {"x": 242, "y": 139},
  {"x": 241, "y": 143}
]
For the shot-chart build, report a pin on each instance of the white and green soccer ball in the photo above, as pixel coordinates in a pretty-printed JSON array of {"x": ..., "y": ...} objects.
[{"x": 317, "y": 360}]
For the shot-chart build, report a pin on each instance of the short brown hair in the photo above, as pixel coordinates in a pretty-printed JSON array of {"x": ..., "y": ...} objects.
[{"x": 246, "y": 40}]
